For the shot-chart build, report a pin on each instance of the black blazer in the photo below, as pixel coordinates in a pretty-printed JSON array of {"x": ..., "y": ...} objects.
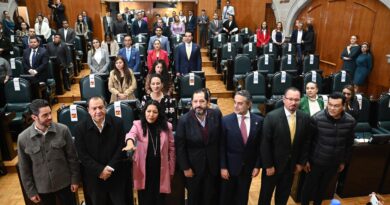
[
  {"x": 135, "y": 29},
  {"x": 61, "y": 51},
  {"x": 191, "y": 151},
  {"x": 97, "y": 150},
  {"x": 276, "y": 148},
  {"x": 235, "y": 156},
  {"x": 42, "y": 58},
  {"x": 191, "y": 24},
  {"x": 294, "y": 36},
  {"x": 230, "y": 28}
]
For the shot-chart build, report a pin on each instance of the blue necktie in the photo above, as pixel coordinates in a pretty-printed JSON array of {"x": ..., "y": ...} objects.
[{"x": 33, "y": 58}]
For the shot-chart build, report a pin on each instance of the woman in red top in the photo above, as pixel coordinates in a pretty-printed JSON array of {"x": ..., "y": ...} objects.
[
  {"x": 263, "y": 37},
  {"x": 157, "y": 54}
]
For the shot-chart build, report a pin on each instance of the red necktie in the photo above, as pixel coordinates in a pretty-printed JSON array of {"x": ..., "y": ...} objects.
[{"x": 243, "y": 129}]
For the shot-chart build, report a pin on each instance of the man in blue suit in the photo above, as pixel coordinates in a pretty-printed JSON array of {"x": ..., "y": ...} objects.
[
  {"x": 35, "y": 60},
  {"x": 188, "y": 57},
  {"x": 139, "y": 25},
  {"x": 192, "y": 22},
  {"x": 240, "y": 153},
  {"x": 163, "y": 40},
  {"x": 131, "y": 54}
]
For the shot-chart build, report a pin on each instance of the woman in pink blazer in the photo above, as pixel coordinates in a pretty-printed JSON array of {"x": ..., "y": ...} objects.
[
  {"x": 156, "y": 54},
  {"x": 151, "y": 139}
]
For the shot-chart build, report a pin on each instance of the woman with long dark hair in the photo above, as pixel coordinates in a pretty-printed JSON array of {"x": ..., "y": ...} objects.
[
  {"x": 80, "y": 27},
  {"x": 152, "y": 141},
  {"x": 98, "y": 59},
  {"x": 309, "y": 40},
  {"x": 230, "y": 26},
  {"x": 349, "y": 55},
  {"x": 351, "y": 102},
  {"x": 363, "y": 66},
  {"x": 159, "y": 67},
  {"x": 157, "y": 53},
  {"x": 121, "y": 82},
  {"x": 263, "y": 37}
]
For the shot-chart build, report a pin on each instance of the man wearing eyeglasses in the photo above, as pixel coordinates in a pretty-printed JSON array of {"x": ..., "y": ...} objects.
[
  {"x": 285, "y": 132},
  {"x": 331, "y": 143}
]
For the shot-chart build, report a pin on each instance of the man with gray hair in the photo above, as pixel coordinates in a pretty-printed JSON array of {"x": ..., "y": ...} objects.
[
  {"x": 240, "y": 150},
  {"x": 48, "y": 162}
]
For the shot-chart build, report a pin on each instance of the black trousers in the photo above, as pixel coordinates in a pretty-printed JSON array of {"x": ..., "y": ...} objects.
[
  {"x": 281, "y": 182},
  {"x": 202, "y": 189},
  {"x": 147, "y": 197},
  {"x": 235, "y": 190},
  {"x": 65, "y": 196},
  {"x": 316, "y": 183},
  {"x": 115, "y": 197}
]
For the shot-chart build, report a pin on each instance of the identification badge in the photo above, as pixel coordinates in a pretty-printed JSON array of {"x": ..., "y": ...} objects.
[
  {"x": 289, "y": 47},
  {"x": 219, "y": 37},
  {"x": 16, "y": 84},
  {"x": 73, "y": 113},
  {"x": 229, "y": 47},
  {"x": 311, "y": 59},
  {"x": 289, "y": 59},
  {"x": 250, "y": 47},
  {"x": 360, "y": 100},
  {"x": 270, "y": 47},
  {"x": 12, "y": 39},
  {"x": 117, "y": 109},
  {"x": 12, "y": 62},
  {"x": 91, "y": 80},
  {"x": 343, "y": 76},
  {"x": 255, "y": 38},
  {"x": 283, "y": 78},
  {"x": 266, "y": 59},
  {"x": 192, "y": 79},
  {"x": 237, "y": 37},
  {"x": 256, "y": 77},
  {"x": 313, "y": 76}
]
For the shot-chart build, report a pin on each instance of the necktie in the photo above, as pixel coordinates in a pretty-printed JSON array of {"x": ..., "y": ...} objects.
[
  {"x": 128, "y": 54},
  {"x": 244, "y": 133},
  {"x": 33, "y": 57},
  {"x": 188, "y": 51},
  {"x": 292, "y": 125}
]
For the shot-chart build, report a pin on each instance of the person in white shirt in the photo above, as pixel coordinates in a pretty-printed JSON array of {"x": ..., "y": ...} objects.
[
  {"x": 311, "y": 103},
  {"x": 227, "y": 10},
  {"x": 110, "y": 45},
  {"x": 42, "y": 28},
  {"x": 98, "y": 60}
]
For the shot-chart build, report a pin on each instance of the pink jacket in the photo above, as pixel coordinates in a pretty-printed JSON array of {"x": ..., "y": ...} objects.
[{"x": 168, "y": 157}]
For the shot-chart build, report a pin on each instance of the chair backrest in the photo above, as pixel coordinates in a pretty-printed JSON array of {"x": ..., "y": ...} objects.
[
  {"x": 229, "y": 51},
  {"x": 237, "y": 39},
  {"x": 18, "y": 67},
  {"x": 72, "y": 118},
  {"x": 384, "y": 111},
  {"x": 271, "y": 49},
  {"x": 280, "y": 82},
  {"x": 288, "y": 63},
  {"x": 17, "y": 52},
  {"x": 340, "y": 80},
  {"x": 255, "y": 85},
  {"x": 219, "y": 40},
  {"x": 312, "y": 76},
  {"x": 189, "y": 84},
  {"x": 50, "y": 69},
  {"x": 246, "y": 31},
  {"x": 266, "y": 64},
  {"x": 288, "y": 48},
  {"x": 253, "y": 38},
  {"x": 123, "y": 111},
  {"x": 311, "y": 62},
  {"x": 18, "y": 90},
  {"x": 120, "y": 38},
  {"x": 242, "y": 65},
  {"x": 176, "y": 39},
  {"x": 250, "y": 50},
  {"x": 77, "y": 43},
  {"x": 141, "y": 48},
  {"x": 140, "y": 39},
  {"x": 91, "y": 86}
]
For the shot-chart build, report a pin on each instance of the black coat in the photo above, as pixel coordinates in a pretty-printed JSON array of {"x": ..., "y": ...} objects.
[
  {"x": 309, "y": 42},
  {"x": 331, "y": 140},
  {"x": 97, "y": 150},
  {"x": 60, "y": 51},
  {"x": 276, "y": 148},
  {"x": 191, "y": 150},
  {"x": 42, "y": 58}
]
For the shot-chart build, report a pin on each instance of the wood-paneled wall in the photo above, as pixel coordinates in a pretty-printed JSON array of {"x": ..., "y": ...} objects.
[
  {"x": 335, "y": 21},
  {"x": 72, "y": 9}
]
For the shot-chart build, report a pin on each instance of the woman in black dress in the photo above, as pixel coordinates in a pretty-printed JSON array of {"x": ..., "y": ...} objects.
[{"x": 349, "y": 55}]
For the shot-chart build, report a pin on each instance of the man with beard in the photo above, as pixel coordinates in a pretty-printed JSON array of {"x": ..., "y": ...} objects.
[
  {"x": 282, "y": 147},
  {"x": 197, "y": 144},
  {"x": 62, "y": 52},
  {"x": 48, "y": 163}
]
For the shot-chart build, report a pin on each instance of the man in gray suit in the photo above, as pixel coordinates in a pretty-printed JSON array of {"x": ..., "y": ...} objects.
[
  {"x": 163, "y": 39},
  {"x": 215, "y": 26},
  {"x": 67, "y": 34},
  {"x": 108, "y": 22},
  {"x": 203, "y": 20}
]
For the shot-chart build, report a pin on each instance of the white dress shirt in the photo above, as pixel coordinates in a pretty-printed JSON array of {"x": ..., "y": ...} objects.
[
  {"x": 299, "y": 36},
  {"x": 314, "y": 106},
  {"x": 98, "y": 55}
]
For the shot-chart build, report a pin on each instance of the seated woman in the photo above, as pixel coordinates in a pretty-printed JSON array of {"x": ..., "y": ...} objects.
[
  {"x": 311, "y": 103},
  {"x": 159, "y": 67},
  {"x": 156, "y": 54},
  {"x": 351, "y": 102},
  {"x": 363, "y": 66},
  {"x": 230, "y": 26},
  {"x": 110, "y": 45},
  {"x": 151, "y": 140},
  {"x": 121, "y": 82},
  {"x": 98, "y": 60},
  {"x": 156, "y": 93}
]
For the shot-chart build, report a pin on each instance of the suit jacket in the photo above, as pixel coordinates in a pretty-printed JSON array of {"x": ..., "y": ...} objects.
[
  {"x": 233, "y": 26},
  {"x": 237, "y": 157},
  {"x": 89, "y": 23},
  {"x": 134, "y": 60},
  {"x": 184, "y": 65},
  {"x": 203, "y": 22},
  {"x": 191, "y": 24},
  {"x": 167, "y": 153},
  {"x": 119, "y": 27},
  {"x": 40, "y": 65},
  {"x": 294, "y": 36},
  {"x": 164, "y": 43},
  {"x": 261, "y": 38},
  {"x": 97, "y": 150},
  {"x": 276, "y": 148},
  {"x": 108, "y": 27},
  {"x": 115, "y": 87},
  {"x": 26, "y": 42},
  {"x": 191, "y": 150},
  {"x": 152, "y": 58},
  {"x": 137, "y": 30},
  {"x": 98, "y": 68},
  {"x": 213, "y": 28},
  {"x": 59, "y": 14},
  {"x": 61, "y": 51},
  {"x": 127, "y": 19},
  {"x": 70, "y": 35}
]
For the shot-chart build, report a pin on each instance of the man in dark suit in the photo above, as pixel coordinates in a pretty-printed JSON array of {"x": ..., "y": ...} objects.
[
  {"x": 58, "y": 13},
  {"x": 203, "y": 21},
  {"x": 284, "y": 138},
  {"x": 165, "y": 29},
  {"x": 108, "y": 23},
  {"x": 197, "y": 144},
  {"x": 119, "y": 26},
  {"x": 87, "y": 20},
  {"x": 131, "y": 54},
  {"x": 171, "y": 19},
  {"x": 68, "y": 35},
  {"x": 297, "y": 37},
  {"x": 215, "y": 26},
  {"x": 139, "y": 25},
  {"x": 35, "y": 61},
  {"x": 188, "y": 57},
  {"x": 62, "y": 52},
  {"x": 240, "y": 153},
  {"x": 127, "y": 16},
  {"x": 99, "y": 140},
  {"x": 163, "y": 40},
  {"x": 191, "y": 23}
]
